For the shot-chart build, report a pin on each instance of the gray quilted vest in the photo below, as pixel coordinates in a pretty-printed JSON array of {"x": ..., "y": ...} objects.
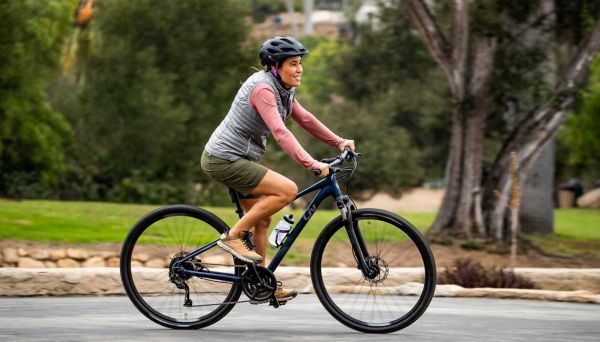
[{"x": 243, "y": 133}]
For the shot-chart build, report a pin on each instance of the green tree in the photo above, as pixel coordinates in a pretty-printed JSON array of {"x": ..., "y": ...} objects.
[
  {"x": 580, "y": 133},
  {"x": 159, "y": 78},
  {"x": 32, "y": 135},
  {"x": 391, "y": 103},
  {"x": 478, "y": 33}
]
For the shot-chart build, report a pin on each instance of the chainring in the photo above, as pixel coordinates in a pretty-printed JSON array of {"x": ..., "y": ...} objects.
[{"x": 259, "y": 283}]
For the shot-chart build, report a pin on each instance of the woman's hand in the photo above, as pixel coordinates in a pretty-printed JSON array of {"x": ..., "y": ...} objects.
[
  {"x": 349, "y": 143},
  {"x": 324, "y": 168}
]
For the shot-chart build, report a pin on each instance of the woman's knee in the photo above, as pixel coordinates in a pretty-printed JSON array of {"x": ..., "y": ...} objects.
[
  {"x": 277, "y": 185},
  {"x": 289, "y": 192}
]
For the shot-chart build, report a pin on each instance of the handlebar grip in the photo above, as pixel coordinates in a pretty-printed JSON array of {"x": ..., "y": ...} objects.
[{"x": 317, "y": 173}]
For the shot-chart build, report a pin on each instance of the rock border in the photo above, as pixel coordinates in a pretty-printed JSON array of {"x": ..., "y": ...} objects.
[{"x": 107, "y": 281}]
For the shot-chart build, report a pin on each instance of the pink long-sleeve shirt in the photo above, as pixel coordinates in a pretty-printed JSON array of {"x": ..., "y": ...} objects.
[{"x": 262, "y": 98}]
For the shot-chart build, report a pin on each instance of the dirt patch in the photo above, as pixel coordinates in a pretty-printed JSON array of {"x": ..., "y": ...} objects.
[
  {"x": 446, "y": 255},
  {"x": 417, "y": 200}
]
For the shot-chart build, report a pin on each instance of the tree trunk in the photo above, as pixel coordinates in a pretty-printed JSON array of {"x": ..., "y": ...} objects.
[
  {"x": 536, "y": 212},
  {"x": 469, "y": 87},
  {"x": 468, "y": 84},
  {"x": 535, "y": 130}
]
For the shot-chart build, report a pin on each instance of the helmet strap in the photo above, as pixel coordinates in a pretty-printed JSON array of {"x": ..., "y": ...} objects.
[{"x": 274, "y": 70}]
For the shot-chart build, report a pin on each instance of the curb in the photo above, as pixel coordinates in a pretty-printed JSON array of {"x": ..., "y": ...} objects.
[{"x": 107, "y": 281}]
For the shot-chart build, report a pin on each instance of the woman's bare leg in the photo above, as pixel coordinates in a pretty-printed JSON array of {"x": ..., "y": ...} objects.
[
  {"x": 260, "y": 230},
  {"x": 278, "y": 190}
]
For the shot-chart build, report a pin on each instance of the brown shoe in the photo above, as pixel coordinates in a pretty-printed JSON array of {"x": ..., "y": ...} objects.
[
  {"x": 239, "y": 247},
  {"x": 282, "y": 295},
  {"x": 285, "y": 294}
]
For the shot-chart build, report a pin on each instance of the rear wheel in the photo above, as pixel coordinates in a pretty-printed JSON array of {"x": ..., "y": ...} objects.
[
  {"x": 157, "y": 288},
  {"x": 391, "y": 298}
]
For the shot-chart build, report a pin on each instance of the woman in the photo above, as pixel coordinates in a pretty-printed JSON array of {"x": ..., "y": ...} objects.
[{"x": 232, "y": 155}]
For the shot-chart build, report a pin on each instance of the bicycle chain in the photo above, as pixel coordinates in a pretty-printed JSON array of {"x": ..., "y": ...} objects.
[{"x": 227, "y": 303}]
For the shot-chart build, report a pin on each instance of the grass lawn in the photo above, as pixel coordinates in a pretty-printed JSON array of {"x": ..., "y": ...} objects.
[
  {"x": 577, "y": 230},
  {"x": 93, "y": 222}
]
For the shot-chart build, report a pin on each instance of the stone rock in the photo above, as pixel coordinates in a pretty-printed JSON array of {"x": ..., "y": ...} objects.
[
  {"x": 21, "y": 252},
  {"x": 590, "y": 199},
  {"x": 106, "y": 281},
  {"x": 60, "y": 281},
  {"x": 50, "y": 264},
  {"x": 94, "y": 262},
  {"x": 10, "y": 255},
  {"x": 113, "y": 262},
  {"x": 449, "y": 290},
  {"x": 557, "y": 296},
  {"x": 57, "y": 254},
  {"x": 563, "y": 279},
  {"x": 39, "y": 254},
  {"x": 77, "y": 254},
  {"x": 30, "y": 263},
  {"x": 67, "y": 263},
  {"x": 135, "y": 263},
  {"x": 142, "y": 257},
  {"x": 108, "y": 254},
  {"x": 155, "y": 263}
]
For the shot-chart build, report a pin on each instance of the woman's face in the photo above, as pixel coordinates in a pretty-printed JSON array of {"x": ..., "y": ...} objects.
[{"x": 291, "y": 71}]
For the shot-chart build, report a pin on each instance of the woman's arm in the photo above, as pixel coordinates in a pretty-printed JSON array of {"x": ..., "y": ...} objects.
[
  {"x": 263, "y": 100},
  {"x": 313, "y": 126}
]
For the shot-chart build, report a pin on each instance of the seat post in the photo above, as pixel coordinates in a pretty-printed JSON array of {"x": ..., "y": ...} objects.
[{"x": 235, "y": 198}]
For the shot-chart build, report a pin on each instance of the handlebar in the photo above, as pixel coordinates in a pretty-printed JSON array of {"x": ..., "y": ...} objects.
[{"x": 347, "y": 154}]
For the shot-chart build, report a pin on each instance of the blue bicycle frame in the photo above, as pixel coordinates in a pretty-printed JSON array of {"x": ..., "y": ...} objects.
[{"x": 327, "y": 186}]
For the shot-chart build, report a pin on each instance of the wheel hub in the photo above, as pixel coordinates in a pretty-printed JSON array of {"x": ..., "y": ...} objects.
[
  {"x": 379, "y": 270},
  {"x": 177, "y": 274}
]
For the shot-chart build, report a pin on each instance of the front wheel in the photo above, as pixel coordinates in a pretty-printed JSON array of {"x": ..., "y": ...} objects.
[{"x": 387, "y": 300}]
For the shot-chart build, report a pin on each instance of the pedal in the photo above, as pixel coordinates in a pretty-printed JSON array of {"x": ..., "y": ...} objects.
[
  {"x": 282, "y": 302},
  {"x": 274, "y": 302}
]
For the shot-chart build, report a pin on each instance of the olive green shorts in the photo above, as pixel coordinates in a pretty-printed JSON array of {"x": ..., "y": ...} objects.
[{"x": 242, "y": 175}]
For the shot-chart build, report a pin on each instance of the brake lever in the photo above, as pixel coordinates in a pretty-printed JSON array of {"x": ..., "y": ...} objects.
[{"x": 347, "y": 154}]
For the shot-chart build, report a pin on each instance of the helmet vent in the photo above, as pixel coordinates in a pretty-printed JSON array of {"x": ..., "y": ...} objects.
[{"x": 279, "y": 48}]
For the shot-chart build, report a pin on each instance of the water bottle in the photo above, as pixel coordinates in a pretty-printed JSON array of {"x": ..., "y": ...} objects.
[{"x": 281, "y": 230}]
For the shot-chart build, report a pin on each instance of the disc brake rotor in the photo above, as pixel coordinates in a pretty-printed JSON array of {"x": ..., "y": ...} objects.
[{"x": 382, "y": 269}]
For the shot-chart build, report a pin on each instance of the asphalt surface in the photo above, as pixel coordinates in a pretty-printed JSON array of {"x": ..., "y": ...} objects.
[{"x": 303, "y": 319}]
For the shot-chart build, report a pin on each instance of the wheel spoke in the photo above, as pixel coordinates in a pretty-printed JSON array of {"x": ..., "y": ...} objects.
[
  {"x": 174, "y": 232},
  {"x": 374, "y": 304}
]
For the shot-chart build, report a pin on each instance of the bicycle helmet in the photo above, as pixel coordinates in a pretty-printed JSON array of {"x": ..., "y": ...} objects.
[{"x": 279, "y": 48}]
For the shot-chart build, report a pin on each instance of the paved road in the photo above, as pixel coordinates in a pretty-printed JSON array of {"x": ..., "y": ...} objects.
[{"x": 454, "y": 319}]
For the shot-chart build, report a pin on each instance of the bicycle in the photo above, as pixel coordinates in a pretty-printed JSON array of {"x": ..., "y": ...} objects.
[{"x": 371, "y": 269}]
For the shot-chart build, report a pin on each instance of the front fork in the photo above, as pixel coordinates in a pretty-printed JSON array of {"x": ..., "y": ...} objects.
[{"x": 359, "y": 247}]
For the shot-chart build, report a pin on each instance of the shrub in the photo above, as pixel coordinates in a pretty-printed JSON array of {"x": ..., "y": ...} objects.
[
  {"x": 470, "y": 274},
  {"x": 471, "y": 245}
]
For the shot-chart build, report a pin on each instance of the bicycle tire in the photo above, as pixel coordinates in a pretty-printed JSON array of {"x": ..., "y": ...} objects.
[
  {"x": 158, "y": 232},
  {"x": 332, "y": 250}
]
